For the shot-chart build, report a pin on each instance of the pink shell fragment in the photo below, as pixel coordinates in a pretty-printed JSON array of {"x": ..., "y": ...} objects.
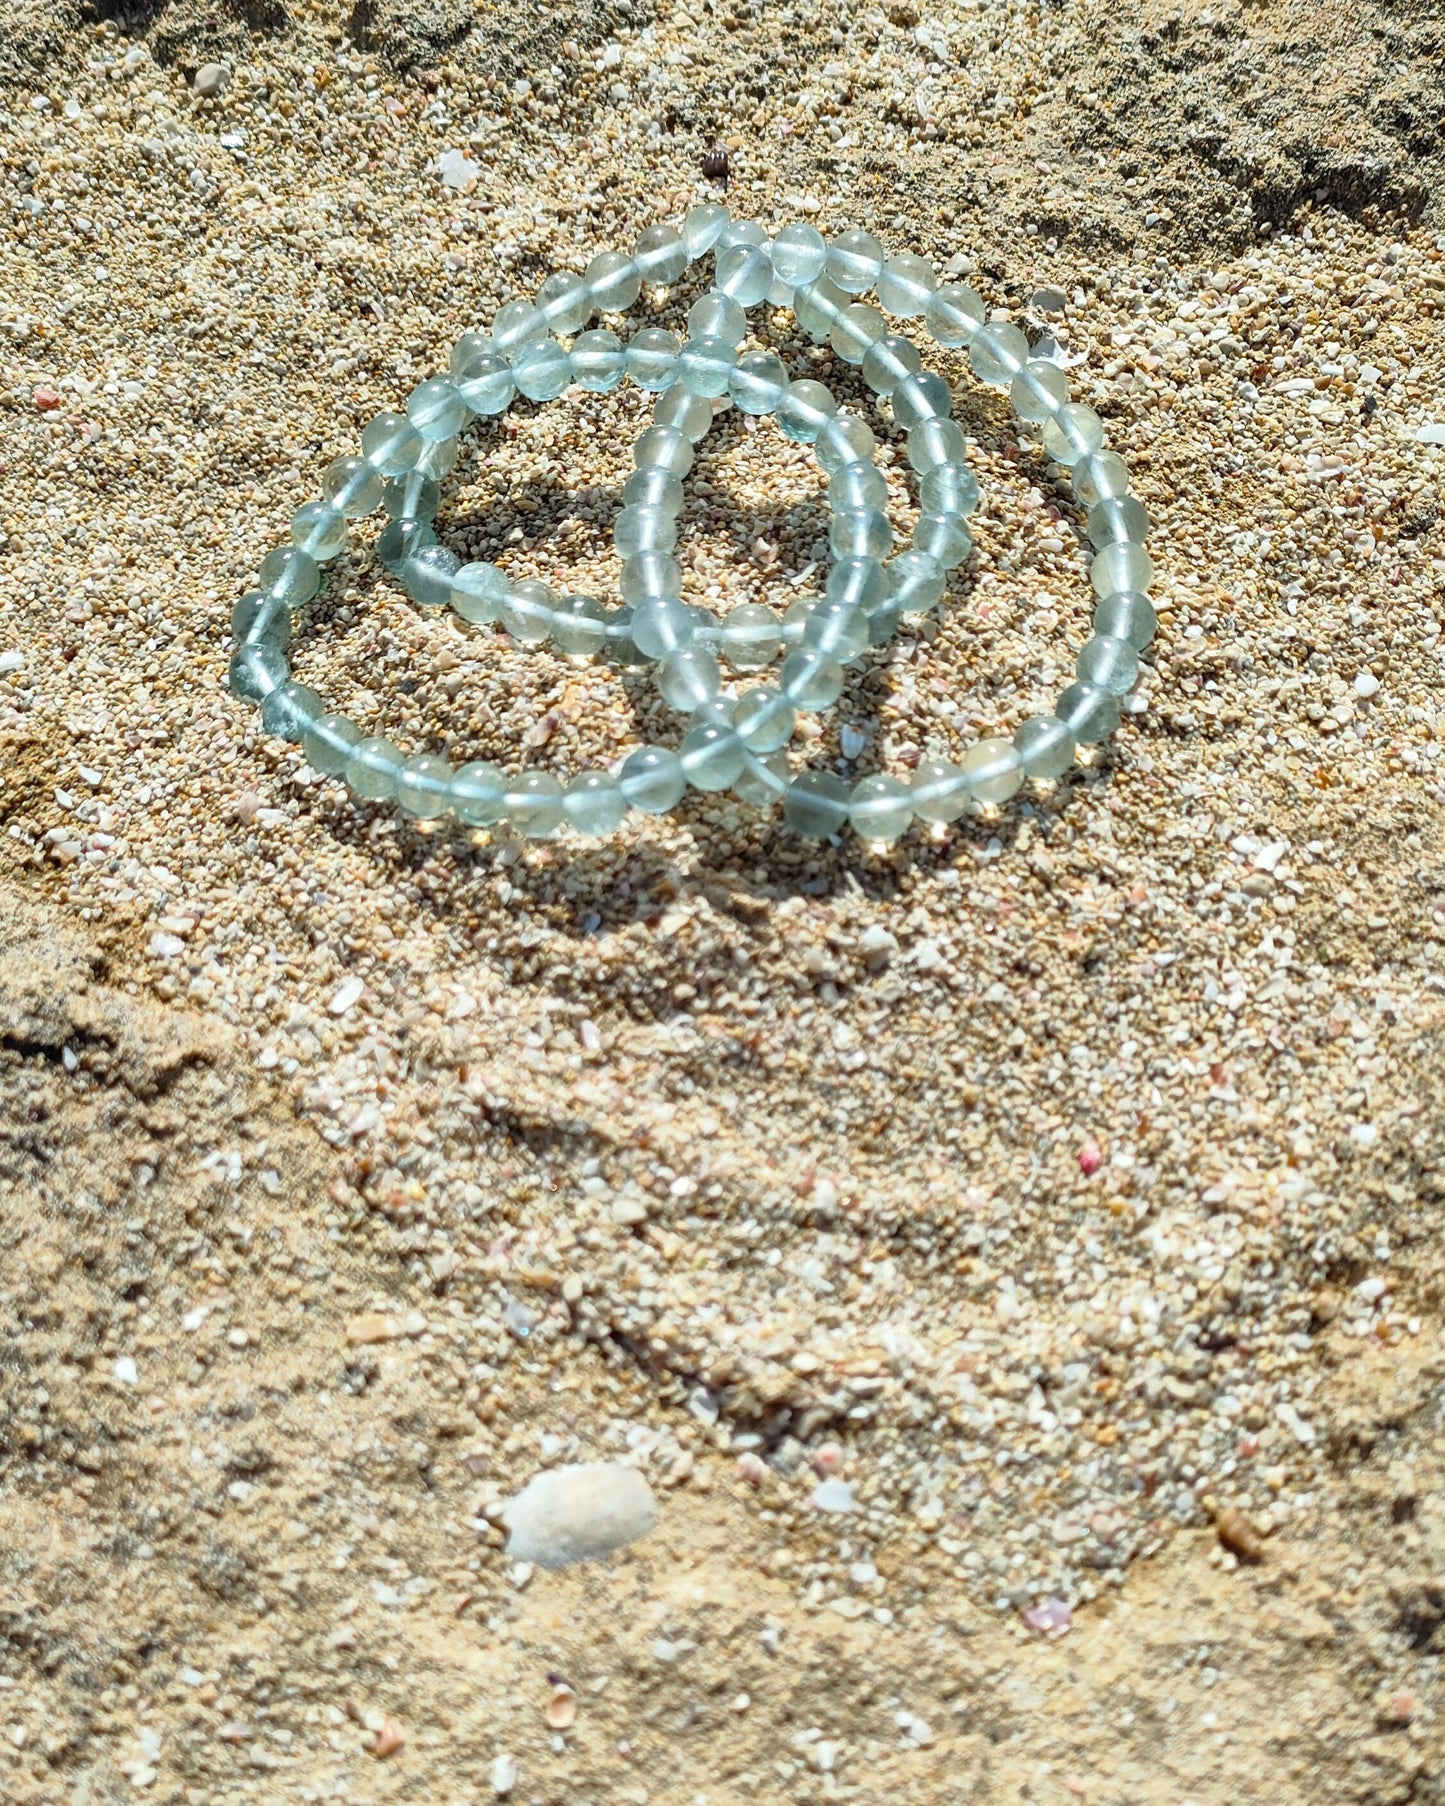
[{"x": 1052, "y": 1615}]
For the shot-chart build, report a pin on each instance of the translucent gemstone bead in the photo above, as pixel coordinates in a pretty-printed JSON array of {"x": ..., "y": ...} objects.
[
  {"x": 1074, "y": 432},
  {"x": 1046, "y": 747},
  {"x": 1108, "y": 664},
  {"x": 412, "y": 497},
  {"x": 705, "y": 366},
  {"x": 326, "y": 742},
  {"x": 844, "y": 440},
  {"x": 925, "y": 396},
  {"x": 518, "y": 323},
  {"x": 400, "y": 538},
  {"x": 542, "y": 371},
  {"x": 837, "y": 629},
  {"x": 854, "y": 486},
  {"x": 740, "y": 232},
  {"x": 620, "y": 647},
  {"x": 319, "y": 531},
  {"x": 717, "y": 316},
  {"x": 477, "y": 794},
  {"x": 860, "y": 582},
  {"x": 653, "y": 487},
  {"x": 287, "y": 709},
  {"x": 478, "y": 591},
  {"x": 794, "y": 622},
  {"x": 1102, "y": 478},
  {"x": 759, "y": 382},
  {"x": 764, "y": 720},
  {"x": 936, "y": 442},
  {"x": 939, "y": 791},
  {"x": 884, "y": 622},
  {"x": 599, "y": 361},
  {"x": 437, "y": 458},
  {"x": 856, "y": 330},
  {"x": 799, "y": 254},
  {"x": 660, "y": 254},
  {"x": 390, "y": 443},
  {"x": 764, "y": 780},
  {"x": 948, "y": 489},
  {"x": 817, "y": 306},
  {"x": 663, "y": 625},
  {"x": 644, "y": 530},
  {"x": 865, "y": 534},
  {"x": 593, "y": 803},
  {"x": 816, "y": 804},
  {"x": 1119, "y": 518},
  {"x": 855, "y": 261},
  {"x": 372, "y": 769},
  {"x": 436, "y": 409},
  {"x": 749, "y": 636},
  {"x": 993, "y": 770},
  {"x": 1089, "y": 713},
  {"x": 702, "y": 227},
  {"x": 652, "y": 779},
  {"x": 905, "y": 285},
  {"x": 953, "y": 314},
  {"x": 880, "y": 807},
  {"x": 423, "y": 787},
  {"x": 943, "y": 537},
  {"x": 997, "y": 354},
  {"x": 811, "y": 680},
  {"x": 652, "y": 358},
  {"x": 1124, "y": 616},
  {"x": 579, "y": 626},
  {"x": 805, "y": 409},
  {"x": 666, "y": 447},
  {"x": 470, "y": 345},
  {"x": 486, "y": 384},
  {"x": 534, "y": 804},
  {"x": 613, "y": 281},
  {"x": 428, "y": 575},
  {"x": 712, "y": 756},
  {"x": 564, "y": 303},
  {"x": 1117, "y": 568},
  {"x": 915, "y": 583},
  {"x": 688, "y": 412},
  {"x": 1039, "y": 390},
  {"x": 688, "y": 679},
  {"x": 650, "y": 577},
  {"x": 888, "y": 361},
  {"x": 289, "y": 575},
  {"x": 527, "y": 611}
]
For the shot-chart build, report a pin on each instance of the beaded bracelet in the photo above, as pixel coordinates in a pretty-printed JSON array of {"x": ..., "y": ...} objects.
[{"x": 733, "y": 742}]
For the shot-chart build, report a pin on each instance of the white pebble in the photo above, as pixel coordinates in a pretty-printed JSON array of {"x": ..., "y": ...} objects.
[
  {"x": 346, "y": 995},
  {"x": 126, "y": 1370},
  {"x": 11, "y": 661},
  {"x": 834, "y": 1495},
  {"x": 456, "y": 169},
  {"x": 579, "y": 1513},
  {"x": 1433, "y": 433},
  {"x": 1366, "y": 684},
  {"x": 212, "y": 79},
  {"x": 504, "y": 1776}
]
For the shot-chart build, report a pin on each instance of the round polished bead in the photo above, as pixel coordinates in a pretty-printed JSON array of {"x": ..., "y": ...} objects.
[
  {"x": 423, "y": 787},
  {"x": 660, "y": 254},
  {"x": 855, "y": 261},
  {"x": 764, "y": 720},
  {"x": 943, "y": 537},
  {"x": 579, "y": 626},
  {"x": 1046, "y": 747},
  {"x": 412, "y": 497},
  {"x": 740, "y": 232},
  {"x": 744, "y": 273},
  {"x": 799, "y": 253},
  {"x": 764, "y": 780},
  {"x": 477, "y": 794},
  {"x": 319, "y": 531},
  {"x": 542, "y": 371},
  {"x": 948, "y": 489},
  {"x": 702, "y": 227},
  {"x": 260, "y": 618},
  {"x": 1101, "y": 478},
  {"x": 953, "y": 314},
  {"x": 688, "y": 412},
  {"x": 688, "y": 679},
  {"x": 372, "y": 769},
  {"x": 653, "y": 487},
  {"x": 533, "y": 804},
  {"x": 1120, "y": 518},
  {"x": 905, "y": 284},
  {"x": 652, "y": 358},
  {"x": 712, "y": 756},
  {"x": 816, "y": 804},
  {"x": 664, "y": 446},
  {"x": 1089, "y": 713},
  {"x": 527, "y": 611},
  {"x": 1039, "y": 390},
  {"x": 478, "y": 591},
  {"x": 326, "y": 742},
  {"x": 836, "y": 628},
  {"x": 925, "y": 396},
  {"x": 470, "y": 345},
  {"x": 286, "y": 710},
  {"x": 485, "y": 383},
  {"x": 518, "y": 323},
  {"x": 662, "y": 626},
  {"x": 817, "y": 306},
  {"x": 865, "y": 534},
  {"x": 390, "y": 443},
  {"x": 997, "y": 354},
  {"x": 993, "y": 770},
  {"x": 652, "y": 779},
  {"x": 705, "y": 366},
  {"x": 289, "y": 575},
  {"x": 1074, "y": 432},
  {"x": 805, "y": 408},
  {"x": 620, "y": 647},
  {"x": 644, "y": 530},
  {"x": 890, "y": 361},
  {"x": 844, "y": 440},
  {"x": 880, "y": 807},
  {"x": 593, "y": 803},
  {"x": 613, "y": 281},
  {"x": 1121, "y": 567},
  {"x": 936, "y": 442},
  {"x": 940, "y": 791},
  {"x": 428, "y": 576},
  {"x": 759, "y": 382},
  {"x": 399, "y": 538},
  {"x": 717, "y": 316},
  {"x": 599, "y": 361},
  {"x": 855, "y": 486},
  {"x": 565, "y": 303},
  {"x": 437, "y": 458},
  {"x": 748, "y": 636},
  {"x": 811, "y": 680},
  {"x": 1124, "y": 616},
  {"x": 916, "y": 583},
  {"x": 860, "y": 582},
  {"x": 1108, "y": 664},
  {"x": 436, "y": 409},
  {"x": 795, "y": 620},
  {"x": 650, "y": 577}
]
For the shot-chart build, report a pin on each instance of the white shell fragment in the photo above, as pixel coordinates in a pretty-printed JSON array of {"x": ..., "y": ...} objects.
[{"x": 579, "y": 1513}]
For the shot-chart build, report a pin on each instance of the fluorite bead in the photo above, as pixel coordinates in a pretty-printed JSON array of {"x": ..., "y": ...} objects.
[
  {"x": 289, "y": 575},
  {"x": 470, "y": 345},
  {"x": 948, "y": 489},
  {"x": 436, "y": 408},
  {"x": 804, "y": 410},
  {"x": 759, "y": 382},
  {"x": 816, "y": 804},
  {"x": 390, "y": 443},
  {"x": 1039, "y": 390},
  {"x": 412, "y": 497},
  {"x": 794, "y": 622},
  {"x": 997, "y": 354},
  {"x": 662, "y": 626},
  {"x": 880, "y": 807},
  {"x": 712, "y": 757},
  {"x": 564, "y": 303},
  {"x": 740, "y": 232},
  {"x": 943, "y": 537},
  {"x": 688, "y": 679},
  {"x": 1108, "y": 664},
  {"x": 579, "y": 626},
  {"x": 763, "y": 781},
  {"x": 485, "y": 383},
  {"x": 1120, "y": 518},
  {"x": 1046, "y": 747},
  {"x": 811, "y": 680},
  {"x": 620, "y": 647},
  {"x": 1125, "y": 616},
  {"x": 660, "y": 254},
  {"x": 429, "y": 574},
  {"x": 653, "y": 487},
  {"x": 437, "y": 458},
  {"x": 860, "y": 582},
  {"x": 915, "y": 582},
  {"x": 905, "y": 284},
  {"x": 818, "y": 306},
  {"x": 1089, "y": 713},
  {"x": 477, "y": 794},
  {"x": 705, "y": 366},
  {"x": 652, "y": 779},
  {"x": 836, "y": 628},
  {"x": 889, "y": 361},
  {"x": 717, "y": 316},
  {"x": 652, "y": 358},
  {"x": 517, "y": 323},
  {"x": 599, "y": 361},
  {"x": 1117, "y": 568},
  {"x": 865, "y": 534},
  {"x": 644, "y": 530},
  {"x": 319, "y": 531},
  {"x": 854, "y": 486},
  {"x": 613, "y": 281},
  {"x": 925, "y": 396},
  {"x": 527, "y": 611},
  {"x": 799, "y": 254},
  {"x": 1101, "y": 478},
  {"x": 936, "y": 442},
  {"x": 953, "y": 314},
  {"x": 856, "y": 330},
  {"x": 940, "y": 790},
  {"x": 701, "y": 228},
  {"x": 478, "y": 591},
  {"x": 400, "y": 538},
  {"x": 993, "y": 770},
  {"x": 593, "y": 803},
  {"x": 534, "y": 804},
  {"x": 680, "y": 407},
  {"x": 542, "y": 371},
  {"x": 764, "y": 719},
  {"x": 372, "y": 769},
  {"x": 423, "y": 787},
  {"x": 326, "y": 743},
  {"x": 855, "y": 261},
  {"x": 844, "y": 440},
  {"x": 1072, "y": 433},
  {"x": 749, "y": 636},
  {"x": 257, "y": 668},
  {"x": 650, "y": 577},
  {"x": 664, "y": 446}
]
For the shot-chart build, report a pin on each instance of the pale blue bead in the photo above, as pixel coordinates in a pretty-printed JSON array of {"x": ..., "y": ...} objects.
[
  {"x": 1108, "y": 664},
  {"x": 429, "y": 574},
  {"x": 660, "y": 254},
  {"x": 795, "y": 621},
  {"x": 1117, "y": 568},
  {"x": 804, "y": 409},
  {"x": 997, "y": 354},
  {"x": 326, "y": 742},
  {"x": 925, "y": 396},
  {"x": 653, "y": 487},
  {"x": 352, "y": 486},
  {"x": 905, "y": 285},
  {"x": 993, "y": 770},
  {"x": 486, "y": 385},
  {"x": 1089, "y": 713},
  {"x": 953, "y": 314},
  {"x": 744, "y": 273},
  {"x": 599, "y": 361},
  {"x": 423, "y": 787},
  {"x": 436, "y": 409},
  {"x": 780, "y": 293},
  {"x": 702, "y": 228},
  {"x": 390, "y": 443},
  {"x": 650, "y": 577},
  {"x": 477, "y": 794},
  {"x": 1102, "y": 478},
  {"x": 399, "y": 538},
  {"x": 289, "y": 575},
  {"x": 816, "y": 804},
  {"x": 884, "y": 622},
  {"x": 613, "y": 281},
  {"x": 534, "y": 804},
  {"x": 818, "y": 306},
  {"x": 478, "y": 591},
  {"x": 716, "y": 316},
  {"x": 664, "y": 446},
  {"x": 740, "y": 232},
  {"x": 1039, "y": 390},
  {"x": 527, "y": 611},
  {"x": 764, "y": 719},
  {"x": 644, "y": 530},
  {"x": 372, "y": 769},
  {"x": 936, "y": 442},
  {"x": 437, "y": 458},
  {"x": 939, "y": 792},
  {"x": 319, "y": 531},
  {"x": 593, "y": 803},
  {"x": 663, "y": 625},
  {"x": 860, "y": 582},
  {"x": 749, "y": 637},
  {"x": 844, "y": 440},
  {"x": 620, "y": 647},
  {"x": 764, "y": 779},
  {"x": 579, "y": 626},
  {"x": 915, "y": 583},
  {"x": 854, "y": 486},
  {"x": 712, "y": 756},
  {"x": 518, "y": 323},
  {"x": 838, "y": 629},
  {"x": 865, "y": 534},
  {"x": 943, "y": 537},
  {"x": 257, "y": 668},
  {"x": 811, "y": 680},
  {"x": 542, "y": 371},
  {"x": 469, "y": 346},
  {"x": 948, "y": 489},
  {"x": 652, "y": 358},
  {"x": 564, "y": 303},
  {"x": 888, "y": 361},
  {"x": 1119, "y": 518},
  {"x": 880, "y": 807},
  {"x": 688, "y": 679},
  {"x": 1124, "y": 616},
  {"x": 412, "y": 497},
  {"x": 679, "y": 407},
  {"x": 705, "y": 366},
  {"x": 855, "y": 261},
  {"x": 1046, "y": 747},
  {"x": 1074, "y": 432},
  {"x": 652, "y": 779},
  {"x": 856, "y": 330},
  {"x": 799, "y": 254}
]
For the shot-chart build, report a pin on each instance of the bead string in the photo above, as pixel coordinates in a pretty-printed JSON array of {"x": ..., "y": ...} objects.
[{"x": 733, "y": 742}]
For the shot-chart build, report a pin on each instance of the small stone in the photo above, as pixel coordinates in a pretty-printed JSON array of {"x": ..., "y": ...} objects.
[
  {"x": 503, "y": 1775},
  {"x": 629, "y": 1210},
  {"x": 579, "y": 1513},
  {"x": 1367, "y": 684},
  {"x": 126, "y": 1371},
  {"x": 834, "y": 1495},
  {"x": 387, "y": 1740},
  {"x": 1051, "y": 1618},
  {"x": 1090, "y": 1159},
  {"x": 1049, "y": 300},
  {"x": 11, "y": 662},
  {"x": 46, "y": 397},
  {"x": 345, "y": 996},
  {"x": 370, "y": 1327},
  {"x": 456, "y": 169},
  {"x": 1432, "y": 433},
  {"x": 211, "y": 79},
  {"x": 828, "y": 1460}
]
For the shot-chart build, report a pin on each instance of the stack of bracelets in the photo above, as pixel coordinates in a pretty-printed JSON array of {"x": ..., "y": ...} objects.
[{"x": 733, "y": 741}]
